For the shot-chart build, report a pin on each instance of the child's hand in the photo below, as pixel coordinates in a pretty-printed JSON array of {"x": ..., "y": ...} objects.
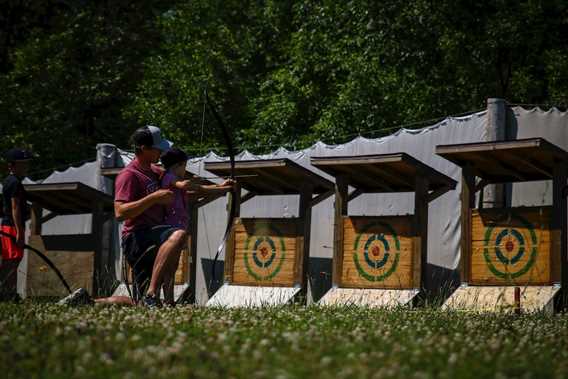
[
  {"x": 228, "y": 183},
  {"x": 185, "y": 184}
]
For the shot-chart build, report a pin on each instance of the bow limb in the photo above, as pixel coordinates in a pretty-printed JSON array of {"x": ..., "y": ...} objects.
[{"x": 232, "y": 194}]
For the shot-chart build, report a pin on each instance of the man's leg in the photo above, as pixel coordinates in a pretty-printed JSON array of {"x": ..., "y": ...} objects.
[{"x": 167, "y": 255}]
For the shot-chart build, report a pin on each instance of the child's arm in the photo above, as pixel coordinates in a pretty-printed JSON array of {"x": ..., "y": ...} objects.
[
  {"x": 183, "y": 184},
  {"x": 226, "y": 186}
]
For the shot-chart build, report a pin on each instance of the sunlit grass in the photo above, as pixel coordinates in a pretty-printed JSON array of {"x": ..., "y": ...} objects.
[{"x": 47, "y": 341}]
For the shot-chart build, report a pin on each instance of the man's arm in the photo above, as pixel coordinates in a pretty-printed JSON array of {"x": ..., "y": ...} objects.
[
  {"x": 18, "y": 222},
  {"x": 128, "y": 210}
]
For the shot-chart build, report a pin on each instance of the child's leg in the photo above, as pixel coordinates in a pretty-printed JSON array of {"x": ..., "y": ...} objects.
[{"x": 168, "y": 285}]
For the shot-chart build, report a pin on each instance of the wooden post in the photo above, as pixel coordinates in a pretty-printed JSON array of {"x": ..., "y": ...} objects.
[
  {"x": 99, "y": 287},
  {"x": 303, "y": 239},
  {"x": 35, "y": 234},
  {"x": 341, "y": 210},
  {"x": 36, "y": 223},
  {"x": 420, "y": 256},
  {"x": 230, "y": 246},
  {"x": 467, "y": 203},
  {"x": 496, "y": 131},
  {"x": 192, "y": 246},
  {"x": 559, "y": 228}
]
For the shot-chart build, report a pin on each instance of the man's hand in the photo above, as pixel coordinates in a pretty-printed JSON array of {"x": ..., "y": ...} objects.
[{"x": 163, "y": 196}]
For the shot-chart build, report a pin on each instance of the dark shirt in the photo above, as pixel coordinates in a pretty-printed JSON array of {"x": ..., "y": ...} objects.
[{"x": 12, "y": 187}]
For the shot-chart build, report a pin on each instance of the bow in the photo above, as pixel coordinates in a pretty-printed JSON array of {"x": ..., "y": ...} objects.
[
  {"x": 232, "y": 203},
  {"x": 44, "y": 258}
]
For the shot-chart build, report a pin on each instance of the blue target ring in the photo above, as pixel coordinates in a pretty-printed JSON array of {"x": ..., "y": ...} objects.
[
  {"x": 519, "y": 237},
  {"x": 255, "y": 253},
  {"x": 377, "y": 263}
]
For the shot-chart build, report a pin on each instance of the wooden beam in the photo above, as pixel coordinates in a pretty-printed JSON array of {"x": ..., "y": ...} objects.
[
  {"x": 436, "y": 193},
  {"x": 230, "y": 245},
  {"x": 355, "y": 194},
  {"x": 467, "y": 203},
  {"x": 303, "y": 239},
  {"x": 420, "y": 257},
  {"x": 36, "y": 222},
  {"x": 49, "y": 216},
  {"x": 321, "y": 197},
  {"x": 559, "y": 230},
  {"x": 341, "y": 211},
  {"x": 99, "y": 278},
  {"x": 248, "y": 196},
  {"x": 193, "y": 210},
  {"x": 480, "y": 185}
]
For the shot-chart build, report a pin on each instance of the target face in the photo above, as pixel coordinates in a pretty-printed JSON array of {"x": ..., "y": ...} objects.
[
  {"x": 376, "y": 256},
  {"x": 264, "y": 255},
  {"x": 510, "y": 252}
]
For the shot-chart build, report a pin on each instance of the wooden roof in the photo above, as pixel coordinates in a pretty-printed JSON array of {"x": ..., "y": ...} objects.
[
  {"x": 272, "y": 176},
  {"x": 383, "y": 172},
  {"x": 507, "y": 161},
  {"x": 68, "y": 198}
]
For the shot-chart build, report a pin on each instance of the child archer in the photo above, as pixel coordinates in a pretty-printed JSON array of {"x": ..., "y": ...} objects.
[{"x": 174, "y": 162}]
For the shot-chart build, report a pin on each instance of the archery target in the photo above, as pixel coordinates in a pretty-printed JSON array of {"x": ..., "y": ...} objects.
[
  {"x": 376, "y": 255},
  {"x": 510, "y": 251},
  {"x": 264, "y": 255}
]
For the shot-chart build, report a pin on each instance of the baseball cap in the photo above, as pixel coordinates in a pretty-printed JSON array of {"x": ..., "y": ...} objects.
[
  {"x": 18, "y": 155},
  {"x": 151, "y": 136}
]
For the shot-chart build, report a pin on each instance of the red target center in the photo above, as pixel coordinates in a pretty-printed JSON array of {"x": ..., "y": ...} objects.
[
  {"x": 509, "y": 245},
  {"x": 375, "y": 251},
  {"x": 263, "y": 252}
]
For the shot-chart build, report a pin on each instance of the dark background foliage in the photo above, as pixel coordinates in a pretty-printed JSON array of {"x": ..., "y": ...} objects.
[{"x": 282, "y": 73}]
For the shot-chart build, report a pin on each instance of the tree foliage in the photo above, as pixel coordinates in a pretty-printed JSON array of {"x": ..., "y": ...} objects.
[{"x": 282, "y": 73}]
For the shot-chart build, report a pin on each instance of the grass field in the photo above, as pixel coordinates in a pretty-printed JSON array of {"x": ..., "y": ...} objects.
[{"x": 47, "y": 341}]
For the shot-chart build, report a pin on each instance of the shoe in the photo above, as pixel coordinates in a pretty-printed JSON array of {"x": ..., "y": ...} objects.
[
  {"x": 151, "y": 302},
  {"x": 79, "y": 297}
]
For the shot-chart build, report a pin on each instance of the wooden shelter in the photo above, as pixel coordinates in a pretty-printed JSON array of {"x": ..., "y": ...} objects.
[
  {"x": 380, "y": 260},
  {"x": 510, "y": 247},
  {"x": 185, "y": 279},
  {"x": 81, "y": 258},
  {"x": 266, "y": 259}
]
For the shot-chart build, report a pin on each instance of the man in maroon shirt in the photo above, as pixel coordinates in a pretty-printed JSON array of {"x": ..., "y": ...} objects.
[{"x": 140, "y": 203}]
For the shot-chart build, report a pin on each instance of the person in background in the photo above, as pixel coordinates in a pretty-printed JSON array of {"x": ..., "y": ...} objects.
[
  {"x": 15, "y": 213},
  {"x": 173, "y": 179}
]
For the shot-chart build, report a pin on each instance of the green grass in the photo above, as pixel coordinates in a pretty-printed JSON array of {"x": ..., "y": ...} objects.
[{"x": 47, "y": 341}]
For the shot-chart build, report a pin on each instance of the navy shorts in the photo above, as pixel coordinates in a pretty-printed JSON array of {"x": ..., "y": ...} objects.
[{"x": 140, "y": 248}]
